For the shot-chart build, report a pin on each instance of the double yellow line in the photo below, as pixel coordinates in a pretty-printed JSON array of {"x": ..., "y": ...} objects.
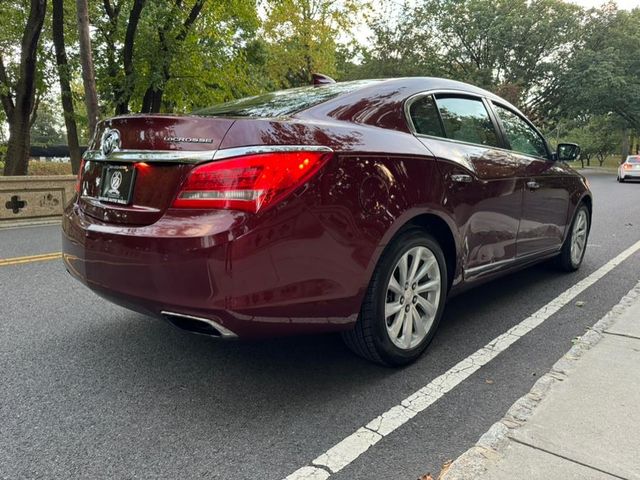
[{"x": 5, "y": 262}]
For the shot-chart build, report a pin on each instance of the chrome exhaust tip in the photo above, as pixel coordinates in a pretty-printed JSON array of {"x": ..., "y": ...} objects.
[{"x": 199, "y": 325}]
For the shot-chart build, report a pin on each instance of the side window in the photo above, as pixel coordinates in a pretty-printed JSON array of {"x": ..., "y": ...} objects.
[
  {"x": 425, "y": 118},
  {"x": 521, "y": 136},
  {"x": 467, "y": 120}
]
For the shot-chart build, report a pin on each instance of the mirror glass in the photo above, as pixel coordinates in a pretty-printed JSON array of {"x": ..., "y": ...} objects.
[{"x": 567, "y": 152}]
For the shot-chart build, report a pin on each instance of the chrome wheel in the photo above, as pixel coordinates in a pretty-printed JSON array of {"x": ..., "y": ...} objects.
[
  {"x": 412, "y": 297},
  {"x": 579, "y": 236}
]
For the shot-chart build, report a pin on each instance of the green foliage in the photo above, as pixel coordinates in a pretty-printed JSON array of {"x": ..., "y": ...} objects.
[
  {"x": 193, "y": 62},
  {"x": 574, "y": 71},
  {"x": 601, "y": 75},
  {"x": 301, "y": 37},
  {"x": 48, "y": 129},
  {"x": 511, "y": 47},
  {"x": 598, "y": 138}
]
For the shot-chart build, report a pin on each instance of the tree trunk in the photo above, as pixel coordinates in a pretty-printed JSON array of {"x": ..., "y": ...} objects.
[
  {"x": 122, "y": 101},
  {"x": 65, "y": 87},
  {"x": 625, "y": 145},
  {"x": 88, "y": 72},
  {"x": 152, "y": 100},
  {"x": 19, "y": 113}
]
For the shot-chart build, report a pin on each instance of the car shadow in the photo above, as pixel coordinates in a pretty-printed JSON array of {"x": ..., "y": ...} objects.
[{"x": 147, "y": 355}]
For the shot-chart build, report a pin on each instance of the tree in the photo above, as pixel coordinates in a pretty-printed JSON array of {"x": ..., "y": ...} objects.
[
  {"x": 512, "y": 47},
  {"x": 64, "y": 74},
  {"x": 175, "y": 55},
  {"x": 120, "y": 67},
  {"x": 88, "y": 71},
  {"x": 601, "y": 76},
  {"x": 598, "y": 137},
  {"x": 400, "y": 46},
  {"x": 301, "y": 37},
  {"x": 48, "y": 127},
  {"x": 18, "y": 91}
]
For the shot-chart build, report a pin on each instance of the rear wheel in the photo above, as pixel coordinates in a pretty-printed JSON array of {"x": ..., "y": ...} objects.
[
  {"x": 575, "y": 245},
  {"x": 403, "y": 303}
]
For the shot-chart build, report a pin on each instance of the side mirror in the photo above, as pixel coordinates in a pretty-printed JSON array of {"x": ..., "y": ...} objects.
[{"x": 567, "y": 152}]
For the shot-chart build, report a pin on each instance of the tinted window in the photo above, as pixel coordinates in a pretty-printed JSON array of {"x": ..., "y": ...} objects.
[
  {"x": 283, "y": 102},
  {"x": 425, "y": 118},
  {"x": 520, "y": 135},
  {"x": 467, "y": 120},
  {"x": 633, "y": 159}
]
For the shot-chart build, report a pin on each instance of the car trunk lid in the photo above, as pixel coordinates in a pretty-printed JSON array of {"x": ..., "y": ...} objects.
[{"x": 136, "y": 164}]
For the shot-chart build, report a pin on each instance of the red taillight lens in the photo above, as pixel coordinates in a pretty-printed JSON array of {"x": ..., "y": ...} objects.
[
  {"x": 627, "y": 166},
  {"x": 248, "y": 183},
  {"x": 79, "y": 177}
]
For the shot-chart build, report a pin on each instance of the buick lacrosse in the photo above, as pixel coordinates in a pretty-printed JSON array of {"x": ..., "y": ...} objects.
[{"x": 355, "y": 207}]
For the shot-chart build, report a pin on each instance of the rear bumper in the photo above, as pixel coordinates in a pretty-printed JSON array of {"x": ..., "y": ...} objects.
[
  {"x": 214, "y": 265},
  {"x": 630, "y": 174}
]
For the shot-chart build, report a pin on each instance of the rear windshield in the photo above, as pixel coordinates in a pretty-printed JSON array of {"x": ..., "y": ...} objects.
[
  {"x": 283, "y": 102},
  {"x": 633, "y": 159}
]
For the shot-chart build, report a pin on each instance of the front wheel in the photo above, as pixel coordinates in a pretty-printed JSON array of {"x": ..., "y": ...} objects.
[
  {"x": 404, "y": 301},
  {"x": 575, "y": 245}
]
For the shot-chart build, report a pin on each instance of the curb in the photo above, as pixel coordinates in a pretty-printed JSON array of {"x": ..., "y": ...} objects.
[
  {"x": 475, "y": 462},
  {"x": 30, "y": 223}
]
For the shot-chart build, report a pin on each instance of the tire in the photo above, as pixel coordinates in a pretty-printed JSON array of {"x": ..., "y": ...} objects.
[
  {"x": 570, "y": 261},
  {"x": 619, "y": 179},
  {"x": 377, "y": 337}
]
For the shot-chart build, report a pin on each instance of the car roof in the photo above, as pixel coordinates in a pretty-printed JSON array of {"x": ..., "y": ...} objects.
[{"x": 381, "y": 102}]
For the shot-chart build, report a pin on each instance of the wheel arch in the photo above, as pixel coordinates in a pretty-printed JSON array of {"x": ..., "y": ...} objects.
[{"x": 439, "y": 226}]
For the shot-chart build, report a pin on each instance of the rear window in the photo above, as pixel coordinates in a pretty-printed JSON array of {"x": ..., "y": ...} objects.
[
  {"x": 633, "y": 159},
  {"x": 283, "y": 102}
]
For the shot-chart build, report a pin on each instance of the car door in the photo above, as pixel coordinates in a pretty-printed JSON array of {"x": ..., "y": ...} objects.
[
  {"x": 483, "y": 181},
  {"x": 545, "y": 201}
]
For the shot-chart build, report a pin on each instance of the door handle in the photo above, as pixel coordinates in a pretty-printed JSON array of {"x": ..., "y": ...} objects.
[
  {"x": 461, "y": 178},
  {"x": 533, "y": 185}
]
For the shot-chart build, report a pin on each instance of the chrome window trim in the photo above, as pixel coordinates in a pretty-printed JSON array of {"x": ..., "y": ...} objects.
[
  {"x": 484, "y": 99},
  {"x": 464, "y": 93},
  {"x": 185, "y": 156},
  {"x": 417, "y": 96}
]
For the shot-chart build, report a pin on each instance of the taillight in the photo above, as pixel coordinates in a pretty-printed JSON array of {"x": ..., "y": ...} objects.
[
  {"x": 248, "y": 183},
  {"x": 627, "y": 166},
  {"x": 79, "y": 177}
]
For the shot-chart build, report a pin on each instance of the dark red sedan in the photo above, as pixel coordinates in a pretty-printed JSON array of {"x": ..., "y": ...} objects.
[{"x": 356, "y": 207}]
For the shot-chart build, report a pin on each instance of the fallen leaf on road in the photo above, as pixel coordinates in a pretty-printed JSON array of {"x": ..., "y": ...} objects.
[
  {"x": 426, "y": 477},
  {"x": 489, "y": 381},
  {"x": 579, "y": 303},
  {"x": 445, "y": 468}
]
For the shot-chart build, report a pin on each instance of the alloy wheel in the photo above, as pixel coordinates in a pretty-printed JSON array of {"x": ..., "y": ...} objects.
[
  {"x": 412, "y": 297},
  {"x": 579, "y": 236}
]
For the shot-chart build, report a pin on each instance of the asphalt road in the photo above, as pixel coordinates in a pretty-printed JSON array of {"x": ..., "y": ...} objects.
[{"x": 90, "y": 390}]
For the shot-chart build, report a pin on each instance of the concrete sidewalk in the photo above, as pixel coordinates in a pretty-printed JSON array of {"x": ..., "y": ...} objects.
[{"x": 580, "y": 421}]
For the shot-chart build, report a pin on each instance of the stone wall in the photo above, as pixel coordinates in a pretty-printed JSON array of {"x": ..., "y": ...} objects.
[{"x": 34, "y": 198}]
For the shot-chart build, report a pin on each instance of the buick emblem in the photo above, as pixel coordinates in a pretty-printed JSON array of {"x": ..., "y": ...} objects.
[{"x": 110, "y": 142}]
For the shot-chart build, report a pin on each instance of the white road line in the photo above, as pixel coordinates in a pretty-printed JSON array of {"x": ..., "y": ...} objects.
[{"x": 350, "y": 448}]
